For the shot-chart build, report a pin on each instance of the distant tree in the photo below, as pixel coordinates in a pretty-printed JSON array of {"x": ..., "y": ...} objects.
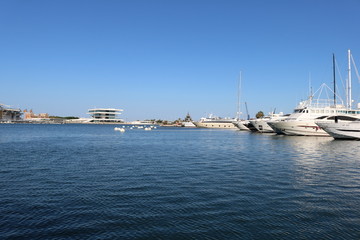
[{"x": 260, "y": 114}]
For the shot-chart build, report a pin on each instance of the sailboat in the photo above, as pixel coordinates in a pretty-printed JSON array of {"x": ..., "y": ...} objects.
[{"x": 240, "y": 123}]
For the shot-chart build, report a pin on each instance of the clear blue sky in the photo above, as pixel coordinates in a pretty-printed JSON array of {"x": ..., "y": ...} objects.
[{"x": 162, "y": 59}]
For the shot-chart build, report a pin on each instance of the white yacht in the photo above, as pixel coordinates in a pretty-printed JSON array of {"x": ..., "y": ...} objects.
[
  {"x": 345, "y": 124},
  {"x": 308, "y": 113},
  {"x": 342, "y": 127},
  {"x": 302, "y": 121},
  {"x": 216, "y": 122},
  {"x": 188, "y": 122},
  {"x": 242, "y": 125},
  {"x": 261, "y": 124}
]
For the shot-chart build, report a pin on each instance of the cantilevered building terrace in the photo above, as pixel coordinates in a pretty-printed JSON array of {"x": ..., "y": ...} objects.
[
  {"x": 8, "y": 114},
  {"x": 105, "y": 115}
]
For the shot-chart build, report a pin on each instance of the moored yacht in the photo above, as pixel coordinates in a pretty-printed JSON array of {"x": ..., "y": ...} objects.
[
  {"x": 188, "y": 122},
  {"x": 342, "y": 127},
  {"x": 216, "y": 122},
  {"x": 242, "y": 125},
  {"x": 302, "y": 121},
  {"x": 261, "y": 124}
]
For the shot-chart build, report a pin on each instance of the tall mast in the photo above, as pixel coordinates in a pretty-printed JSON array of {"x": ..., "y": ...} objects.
[
  {"x": 349, "y": 81},
  {"x": 238, "y": 103},
  {"x": 334, "y": 79}
]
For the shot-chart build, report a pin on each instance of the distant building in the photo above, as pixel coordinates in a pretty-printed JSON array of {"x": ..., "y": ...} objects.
[
  {"x": 9, "y": 114},
  {"x": 105, "y": 115},
  {"x": 31, "y": 115}
]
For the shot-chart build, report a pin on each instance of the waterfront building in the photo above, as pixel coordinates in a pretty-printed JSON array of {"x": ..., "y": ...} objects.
[
  {"x": 105, "y": 115},
  {"x": 30, "y": 115},
  {"x": 8, "y": 114}
]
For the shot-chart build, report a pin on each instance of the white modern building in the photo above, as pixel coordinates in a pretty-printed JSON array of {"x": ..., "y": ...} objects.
[
  {"x": 8, "y": 114},
  {"x": 105, "y": 115}
]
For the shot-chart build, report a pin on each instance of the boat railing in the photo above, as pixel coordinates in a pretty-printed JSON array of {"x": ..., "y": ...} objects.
[{"x": 319, "y": 103}]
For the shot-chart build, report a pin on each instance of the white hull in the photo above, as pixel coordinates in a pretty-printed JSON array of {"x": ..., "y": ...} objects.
[
  {"x": 227, "y": 125},
  {"x": 342, "y": 130},
  {"x": 188, "y": 124},
  {"x": 261, "y": 125},
  {"x": 299, "y": 128},
  {"x": 241, "y": 125},
  {"x": 273, "y": 124}
]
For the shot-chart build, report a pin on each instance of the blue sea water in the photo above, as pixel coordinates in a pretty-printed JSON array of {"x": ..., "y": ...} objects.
[{"x": 91, "y": 182}]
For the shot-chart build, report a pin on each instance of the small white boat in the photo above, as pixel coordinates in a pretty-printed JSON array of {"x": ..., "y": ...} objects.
[
  {"x": 119, "y": 129},
  {"x": 147, "y": 129}
]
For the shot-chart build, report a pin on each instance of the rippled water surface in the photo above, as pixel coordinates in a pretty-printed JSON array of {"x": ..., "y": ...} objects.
[{"x": 91, "y": 182}]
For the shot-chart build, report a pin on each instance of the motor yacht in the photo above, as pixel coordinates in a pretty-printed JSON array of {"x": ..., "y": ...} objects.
[
  {"x": 242, "y": 125},
  {"x": 302, "y": 121},
  {"x": 216, "y": 122},
  {"x": 341, "y": 127},
  {"x": 261, "y": 124},
  {"x": 188, "y": 122}
]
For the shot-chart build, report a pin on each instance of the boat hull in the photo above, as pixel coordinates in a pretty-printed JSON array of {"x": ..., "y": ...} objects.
[
  {"x": 272, "y": 124},
  {"x": 188, "y": 125},
  {"x": 342, "y": 130},
  {"x": 223, "y": 125},
  {"x": 262, "y": 126},
  {"x": 300, "y": 128},
  {"x": 241, "y": 125}
]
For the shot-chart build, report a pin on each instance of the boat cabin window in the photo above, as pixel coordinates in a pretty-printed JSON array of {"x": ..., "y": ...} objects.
[
  {"x": 345, "y": 118},
  {"x": 322, "y": 117}
]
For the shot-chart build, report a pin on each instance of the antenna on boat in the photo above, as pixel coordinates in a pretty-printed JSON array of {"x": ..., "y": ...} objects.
[{"x": 334, "y": 79}]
